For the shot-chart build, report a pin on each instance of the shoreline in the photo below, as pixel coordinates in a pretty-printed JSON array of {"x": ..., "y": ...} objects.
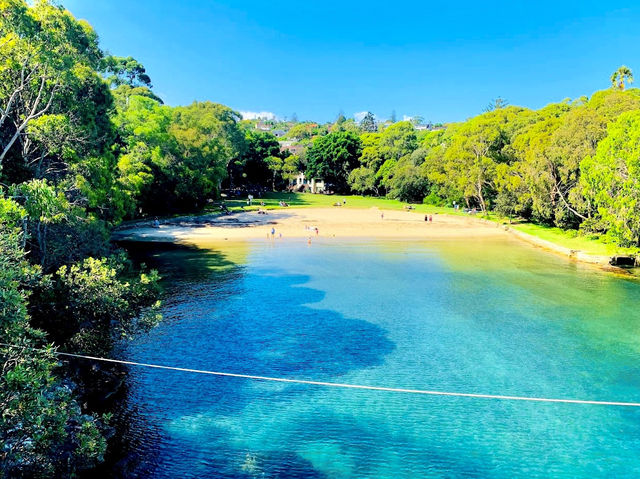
[
  {"x": 302, "y": 223},
  {"x": 340, "y": 223}
]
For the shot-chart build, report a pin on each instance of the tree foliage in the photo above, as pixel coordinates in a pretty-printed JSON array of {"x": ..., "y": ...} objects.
[
  {"x": 368, "y": 123},
  {"x": 332, "y": 158}
]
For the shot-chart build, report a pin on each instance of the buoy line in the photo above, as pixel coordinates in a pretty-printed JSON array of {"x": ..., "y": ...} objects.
[{"x": 336, "y": 385}]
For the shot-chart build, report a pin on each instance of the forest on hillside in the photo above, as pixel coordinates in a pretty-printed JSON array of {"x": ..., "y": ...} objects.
[{"x": 86, "y": 143}]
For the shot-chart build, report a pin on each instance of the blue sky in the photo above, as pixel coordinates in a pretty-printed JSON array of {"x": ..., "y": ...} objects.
[{"x": 442, "y": 60}]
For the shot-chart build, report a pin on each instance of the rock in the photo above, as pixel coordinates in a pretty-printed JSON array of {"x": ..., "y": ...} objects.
[{"x": 623, "y": 261}]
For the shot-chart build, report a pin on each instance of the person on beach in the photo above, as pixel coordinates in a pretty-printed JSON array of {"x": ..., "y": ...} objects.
[
  {"x": 426, "y": 218},
  {"x": 317, "y": 231},
  {"x": 381, "y": 216},
  {"x": 156, "y": 223},
  {"x": 273, "y": 232},
  {"x": 430, "y": 218}
]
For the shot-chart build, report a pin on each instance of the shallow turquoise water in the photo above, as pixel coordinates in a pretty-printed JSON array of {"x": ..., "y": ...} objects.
[{"x": 490, "y": 317}]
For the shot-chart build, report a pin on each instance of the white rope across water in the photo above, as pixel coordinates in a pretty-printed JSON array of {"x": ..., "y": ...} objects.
[{"x": 342, "y": 385}]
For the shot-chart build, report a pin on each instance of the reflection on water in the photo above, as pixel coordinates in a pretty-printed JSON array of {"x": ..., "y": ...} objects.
[{"x": 488, "y": 317}]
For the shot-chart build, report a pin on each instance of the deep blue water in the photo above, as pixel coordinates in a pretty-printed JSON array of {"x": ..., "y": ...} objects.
[{"x": 484, "y": 317}]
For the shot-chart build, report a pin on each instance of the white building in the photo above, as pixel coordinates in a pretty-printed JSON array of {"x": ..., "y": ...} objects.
[{"x": 300, "y": 182}]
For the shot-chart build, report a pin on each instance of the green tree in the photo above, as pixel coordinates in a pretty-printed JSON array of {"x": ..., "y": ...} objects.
[
  {"x": 275, "y": 164},
  {"x": 466, "y": 163},
  {"x": 125, "y": 71},
  {"x": 89, "y": 305},
  {"x": 621, "y": 76},
  {"x": 610, "y": 181},
  {"x": 46, "y": 58},
  {"x": 496, "y": 104},
  {"x": 368, "y": 123},
  {"x": 252, "y": 168},
  {"x": 43, "y": 430},
  {"x": 291, "y": 166},
  {"x": 332, "y": 158}
]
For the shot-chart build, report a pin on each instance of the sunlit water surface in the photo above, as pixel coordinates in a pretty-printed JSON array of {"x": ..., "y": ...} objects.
[{"x": 484, "y": 316}]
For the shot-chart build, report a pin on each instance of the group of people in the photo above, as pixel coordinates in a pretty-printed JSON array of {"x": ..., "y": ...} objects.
[{"x": 312, "y": 228}]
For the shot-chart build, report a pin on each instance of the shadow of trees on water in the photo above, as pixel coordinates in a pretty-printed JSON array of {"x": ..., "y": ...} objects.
[{"x": 221, "y": 315}]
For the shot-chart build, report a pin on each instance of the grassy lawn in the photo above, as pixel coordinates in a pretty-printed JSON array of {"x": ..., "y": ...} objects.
[
  {"x": 568, "y": 239},
  {"x": 309, "y": 200}
]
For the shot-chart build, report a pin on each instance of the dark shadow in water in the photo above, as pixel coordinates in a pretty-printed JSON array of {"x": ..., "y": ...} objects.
[
  {"x": 219, "y": 316},
  {"x": 180, "y": 263}
]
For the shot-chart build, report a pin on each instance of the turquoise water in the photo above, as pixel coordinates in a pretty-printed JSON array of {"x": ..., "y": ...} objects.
[{"x": 490, "y": 317}]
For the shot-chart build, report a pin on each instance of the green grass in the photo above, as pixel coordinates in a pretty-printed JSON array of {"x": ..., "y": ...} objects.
[
  {"x": 569, "y": 239},
  {"x": 309, "y": 200}
]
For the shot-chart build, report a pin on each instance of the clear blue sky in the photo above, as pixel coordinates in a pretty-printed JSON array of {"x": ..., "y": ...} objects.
[{"x": 442, "y": 60}]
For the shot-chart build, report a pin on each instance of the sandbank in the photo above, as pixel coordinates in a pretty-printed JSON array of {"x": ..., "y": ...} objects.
[{"x": 302, "y": 223}]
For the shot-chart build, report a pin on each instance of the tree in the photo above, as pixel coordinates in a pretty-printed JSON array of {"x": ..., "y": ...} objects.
[
  {"x": 252, "y": 168},
  {"x": 397, "y": 140},
  {"x": 611, "y": 181},
  {"x": 125, "y": 71},
  {"x": 496, "y": 104},
  {"x": 43, "y": 430},
  {"x": 466, "y": 164},
  {"x": 621, "y": 76},
  {"x": 405, "y": 180},
  {"x": 363, "y": 180},
  {"x": 274, "y": 163},
  {"x": 291, "y": 167},
  {"x": 43, "y": 206},
  {"x": 88, "y": 305},
  {"x": 332, "y": 157},
  {"x": 46, "y": 56},
  {"x": 368, "y": 123}
]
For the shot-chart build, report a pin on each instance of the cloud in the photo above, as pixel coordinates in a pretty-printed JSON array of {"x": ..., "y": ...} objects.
[
  {"x": 254, "y": 115},
  {"x": 359, "y": 115},
  {"x": 407, "y": 118}
]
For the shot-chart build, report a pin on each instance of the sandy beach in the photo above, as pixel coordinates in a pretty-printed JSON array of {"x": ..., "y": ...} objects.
[{"x": 302, "y": 223}]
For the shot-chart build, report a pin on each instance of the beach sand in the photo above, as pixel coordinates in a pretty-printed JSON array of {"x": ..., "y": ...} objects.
[{"x": 330, "y": 222}]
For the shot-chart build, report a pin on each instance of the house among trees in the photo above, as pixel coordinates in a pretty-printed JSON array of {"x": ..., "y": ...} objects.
[
  {"x": 300, "y": 183},
  {"x": 292, "y": 148}
]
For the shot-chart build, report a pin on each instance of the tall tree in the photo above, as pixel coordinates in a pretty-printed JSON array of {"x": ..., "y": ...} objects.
[
  {"x": 368, "y": 123},
  {"x": 611, "y": 181},
  {"x": 43, "y": 430},
  {"x": 252, "y": 167},
  {"x": 46, "y": 56},
  {"x": 333, "y": 157},
  {"x": 125, "y": 71},
  {"x": 621, "y": 76},
  {"x": 496, "y": 104}
]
